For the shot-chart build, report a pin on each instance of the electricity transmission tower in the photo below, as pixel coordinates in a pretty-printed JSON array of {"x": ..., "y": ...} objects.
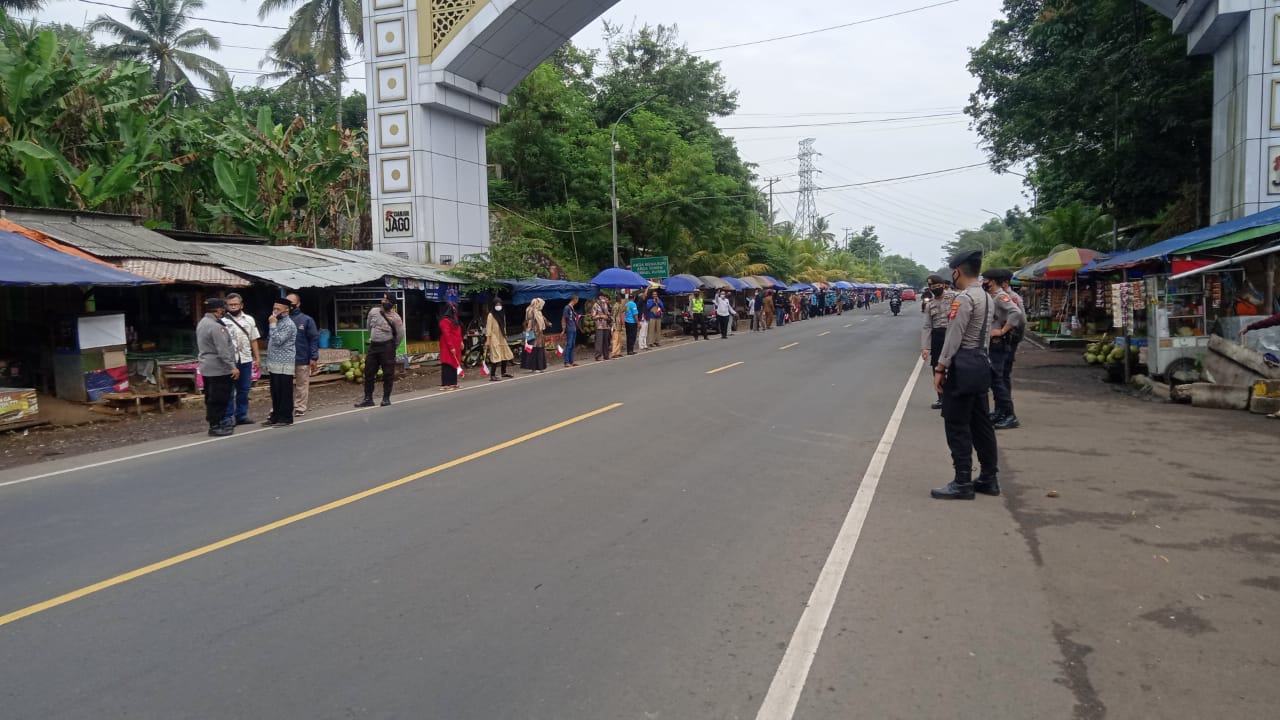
[{"x": 807, "y": 206}]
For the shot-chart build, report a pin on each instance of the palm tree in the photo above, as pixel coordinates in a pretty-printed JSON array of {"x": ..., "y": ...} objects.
[
  {"x": 21, "y": 5},
  {"x": 822, "y": 232},
  {"x": 157, "y": 38},
  {"x": 301, "y": 73},
  {"x": 325, "y": 26}
]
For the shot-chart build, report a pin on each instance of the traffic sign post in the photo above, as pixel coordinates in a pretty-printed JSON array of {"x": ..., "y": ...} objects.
[{"x": 651, "y": 268}]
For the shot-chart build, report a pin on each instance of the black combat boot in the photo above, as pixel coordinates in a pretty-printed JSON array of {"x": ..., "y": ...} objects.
[
  {"x": 386, "y": 399},
  {"x": 937, "y": 405},
  {"x": 1007, "y": 422},
  {"x": 367, "y": 402},
  {"x": 987, "y": 485},
  {"x": 959, "y": 489}
]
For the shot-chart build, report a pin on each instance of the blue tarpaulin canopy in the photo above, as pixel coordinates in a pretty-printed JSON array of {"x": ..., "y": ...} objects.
[
  {"x": 800, "y": 287},
  {"x": 524, "y": 291},
  {"x": 619, "y": 279},
  {"x": 843, "y": 285},
  {"x": 736, "y": 284},
  {"x": 29, "y": 263},
  {"x": 682, "y": 284},
  {"x": 776, "y": 283},
  {"x": 1257, "y": 223}
]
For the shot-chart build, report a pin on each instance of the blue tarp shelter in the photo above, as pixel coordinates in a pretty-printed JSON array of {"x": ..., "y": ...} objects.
[
  {"x": 736, "y": 284},
  {"x": 1250, "y": 227},
  {"x": 524, "y": 291},
  {"x": 29, "y": 263}
]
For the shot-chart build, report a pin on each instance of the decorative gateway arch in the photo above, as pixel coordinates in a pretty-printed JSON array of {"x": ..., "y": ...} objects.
[
  {"x": 1243, "y": 36},
  {"x": 437, "y": 72}
]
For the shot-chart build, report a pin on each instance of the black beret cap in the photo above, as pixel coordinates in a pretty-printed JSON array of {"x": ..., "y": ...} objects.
[
  {"x": 965, "y": 258},
  {"x": 214, "y": 303},
  {"x": 936, "y": 280},
  {"x": 998, "y": 274}
]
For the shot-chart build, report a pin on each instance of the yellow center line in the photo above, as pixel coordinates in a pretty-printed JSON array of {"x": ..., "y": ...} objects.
[
  {"x": 825, "y": 333},
  {"x": 292, "y": 519},
  {"x": 726, "y": 367},
  {"x": 784, "y": 347}
]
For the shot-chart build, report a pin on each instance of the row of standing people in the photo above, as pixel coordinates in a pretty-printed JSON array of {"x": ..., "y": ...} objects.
[
  {"x": 970, "y": 337},
  {"x": 227, "y": 345}
]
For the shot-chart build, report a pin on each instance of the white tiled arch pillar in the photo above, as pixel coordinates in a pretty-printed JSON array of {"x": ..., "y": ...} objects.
[
  {"x": 437, "y": 72},
  {"x": 427, "y": 166}
]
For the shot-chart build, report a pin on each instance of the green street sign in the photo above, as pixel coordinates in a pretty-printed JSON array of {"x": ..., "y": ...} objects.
[{"x": 652, "y": 268}]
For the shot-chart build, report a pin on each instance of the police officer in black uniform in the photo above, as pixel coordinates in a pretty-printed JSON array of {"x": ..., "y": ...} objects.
[{"x": 963, "y": 377}]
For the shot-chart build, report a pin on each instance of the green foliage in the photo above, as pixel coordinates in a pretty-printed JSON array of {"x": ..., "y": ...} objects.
[
  {"x": 904, "y": 270},
  {"x": 1100, "y": 98},
  {"x": 77, "y": 134},
  {"x": 158, "y": 37},
  {"x": 513, "y": 257}
]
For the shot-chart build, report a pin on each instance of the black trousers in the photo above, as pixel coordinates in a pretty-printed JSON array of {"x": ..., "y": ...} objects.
[
  {"x": 281, "y": 398},
  {"x": 381, "y": 355},
  {"x": 217, "y": 395},
  {"x": 967, "y": 419},
  {"x": 1001, "y": 377},
  {"x": 448, "y": 375},
  {"x": 937, "y": 337},
  {"x": 631, "y": 337},
  {"x": 700, "y": 326},
  {"x": 604, "y": 343},
  {"x": 723, "y": 322}
]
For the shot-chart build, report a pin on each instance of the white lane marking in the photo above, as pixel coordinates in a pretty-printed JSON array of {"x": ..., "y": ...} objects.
[
  {"x": 788, "y": 683},
  {"x": 824, "y": 334},
  {"x": 849, "y": 325}
]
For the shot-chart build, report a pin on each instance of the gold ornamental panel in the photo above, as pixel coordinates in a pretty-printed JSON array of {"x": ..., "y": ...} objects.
[{"x": 441, "y": 21}]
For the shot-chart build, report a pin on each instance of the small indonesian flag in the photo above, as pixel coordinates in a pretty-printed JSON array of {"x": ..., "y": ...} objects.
[
  {"x": 528, "y": 348},
  {"x": 484, "y": 369},
  {"x": 559, "y": 350},
  {"x": 461, "y": 373}
]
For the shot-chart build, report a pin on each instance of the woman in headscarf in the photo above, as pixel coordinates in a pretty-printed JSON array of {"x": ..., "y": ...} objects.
[
  {"x": 450, "y": 349},
  {"x": 619, "y": 323},
  {"x": 535, "y": 326},
  {"x": 496, "y": 348}
]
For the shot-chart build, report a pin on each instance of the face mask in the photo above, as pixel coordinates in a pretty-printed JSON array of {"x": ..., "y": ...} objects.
[
  {"x": 497, "y": 308},
  {"x": 937, "y": 292}
]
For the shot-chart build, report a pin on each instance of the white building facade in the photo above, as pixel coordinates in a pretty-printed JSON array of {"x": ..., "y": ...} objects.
[{"x": 1243, "y": 36}]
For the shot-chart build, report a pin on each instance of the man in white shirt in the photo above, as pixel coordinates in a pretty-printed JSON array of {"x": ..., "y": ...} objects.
[{"x": 243, "y": 330}]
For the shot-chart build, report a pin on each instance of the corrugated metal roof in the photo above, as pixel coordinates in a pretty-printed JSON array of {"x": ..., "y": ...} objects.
[
  {"x": 259, "y": 258},
  {"x": 295, "y": 267},
  {"x": 106, "y": 238},
  {"x": 184, "y": 272}
]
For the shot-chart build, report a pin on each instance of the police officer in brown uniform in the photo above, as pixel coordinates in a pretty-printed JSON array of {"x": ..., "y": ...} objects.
[
  {"x": 963, "y": 377},
  {"x": 936, "y": 309},
  {"x": 1006, "y": 332}
]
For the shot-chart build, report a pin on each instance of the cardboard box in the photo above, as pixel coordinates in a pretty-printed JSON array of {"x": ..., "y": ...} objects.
[{"x": 17, "y": 405}]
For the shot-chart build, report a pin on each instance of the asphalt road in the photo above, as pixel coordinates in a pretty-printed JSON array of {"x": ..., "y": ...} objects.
[{"x": 639, "y": 538}]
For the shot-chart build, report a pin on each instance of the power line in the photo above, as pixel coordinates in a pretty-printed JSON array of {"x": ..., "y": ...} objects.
[
  {"x": 828, "y": 29},
  {"x": 842, "y": 122},
  {"x": 838, "y": 114},
  {"x": 904, "y": 177},
  {"x": 212, "y": 20}
]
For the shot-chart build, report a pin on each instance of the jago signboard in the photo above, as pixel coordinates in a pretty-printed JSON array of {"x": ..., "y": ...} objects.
[{"x": 397, "y": 220}]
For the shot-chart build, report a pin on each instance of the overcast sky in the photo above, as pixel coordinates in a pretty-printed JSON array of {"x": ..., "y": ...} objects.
[{"x": 902, "y": 67}]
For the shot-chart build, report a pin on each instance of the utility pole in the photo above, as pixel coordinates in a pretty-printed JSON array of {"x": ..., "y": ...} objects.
[
  {"x": 613, "y": 174},
  {"x": 771, "y": 183},
  {"x": 848, "y": 233},
  {"x": 807, "y": 206}
]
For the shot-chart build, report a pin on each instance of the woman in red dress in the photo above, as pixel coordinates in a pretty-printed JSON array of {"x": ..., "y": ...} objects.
[{"x": 450, "y": 349}]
